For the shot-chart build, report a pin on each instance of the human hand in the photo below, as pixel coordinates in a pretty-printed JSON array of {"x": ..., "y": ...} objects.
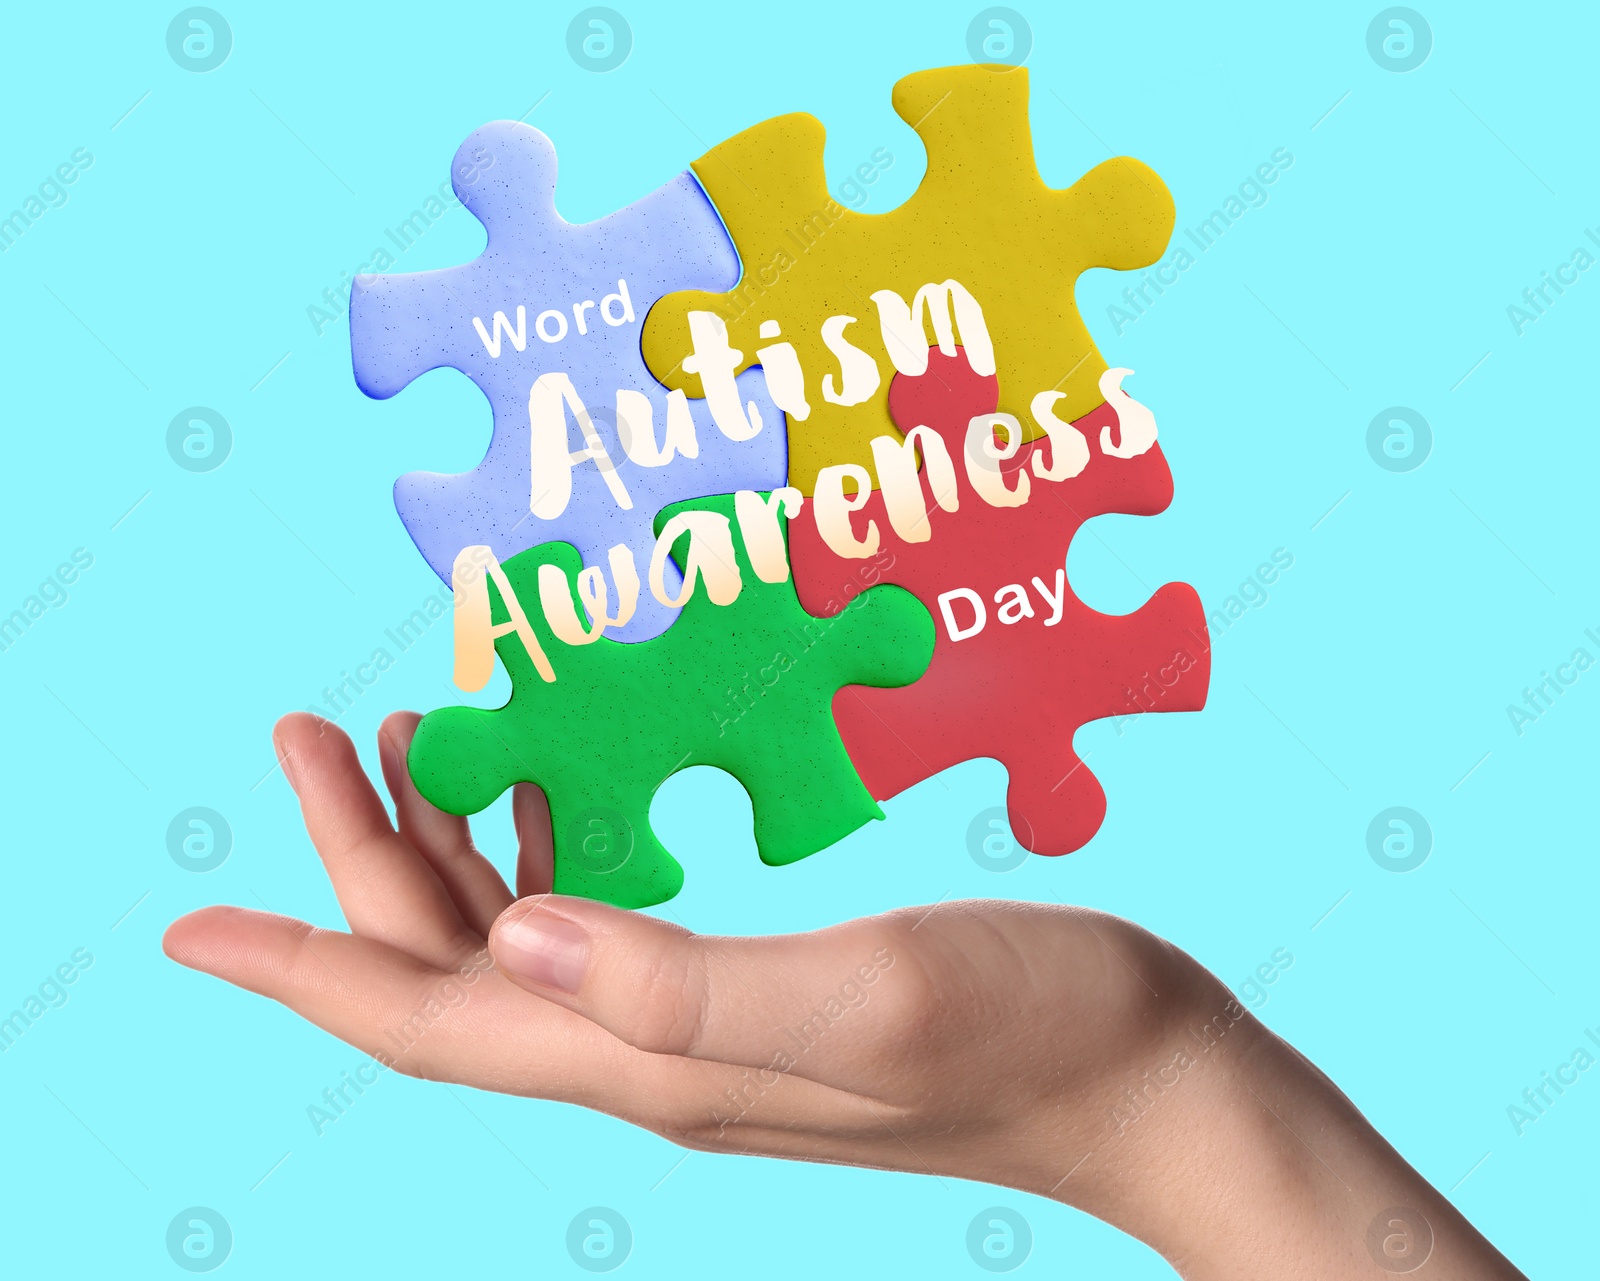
[{"x": 1056, "y": 1050}]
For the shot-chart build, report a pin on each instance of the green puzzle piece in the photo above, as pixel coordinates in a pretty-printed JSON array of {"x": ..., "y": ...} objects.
[{"x": 747, "y": 687}]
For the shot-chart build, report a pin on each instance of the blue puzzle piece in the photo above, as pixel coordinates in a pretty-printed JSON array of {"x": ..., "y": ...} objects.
[{"x": 403, "y": 325}]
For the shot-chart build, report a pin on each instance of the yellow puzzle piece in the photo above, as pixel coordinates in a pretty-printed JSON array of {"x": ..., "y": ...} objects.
[{"x": 981, "y": 216}]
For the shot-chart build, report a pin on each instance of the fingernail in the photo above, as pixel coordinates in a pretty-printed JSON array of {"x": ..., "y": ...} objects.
[{"x": 543, "y": 948}]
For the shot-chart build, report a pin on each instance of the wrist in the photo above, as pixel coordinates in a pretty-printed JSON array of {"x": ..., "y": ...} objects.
[{"x": 1234, "y": 1157}]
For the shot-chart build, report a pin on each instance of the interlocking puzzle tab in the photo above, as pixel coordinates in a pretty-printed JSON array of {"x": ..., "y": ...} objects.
[
  {"x": 981, "y": 216},
  {"x": 547, "y": 322},
  {"x": 1019, "y": 662},
  {"x": 744, "y": 686}
]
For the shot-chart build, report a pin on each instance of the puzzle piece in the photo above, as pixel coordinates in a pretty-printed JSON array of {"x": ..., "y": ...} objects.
[
  {"x": 743, "y": 686},
  {"x": 981, "y": 216},
  {"x": 403, "y": 325},
  {"x": 1015, "y": 690}
]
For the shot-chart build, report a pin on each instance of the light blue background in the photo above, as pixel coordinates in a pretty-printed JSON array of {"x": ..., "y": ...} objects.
[{"x": 1378, "y": 673}]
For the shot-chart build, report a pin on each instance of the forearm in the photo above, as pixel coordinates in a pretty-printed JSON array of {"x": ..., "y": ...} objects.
[{"x": 1250, "y": 1163}]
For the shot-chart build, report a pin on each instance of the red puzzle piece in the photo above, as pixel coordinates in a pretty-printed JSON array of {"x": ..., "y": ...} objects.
[{"x": 1016, "y": 691}]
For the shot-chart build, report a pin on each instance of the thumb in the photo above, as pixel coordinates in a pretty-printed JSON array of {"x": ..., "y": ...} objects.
[{"x": 816, "y": 998}]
